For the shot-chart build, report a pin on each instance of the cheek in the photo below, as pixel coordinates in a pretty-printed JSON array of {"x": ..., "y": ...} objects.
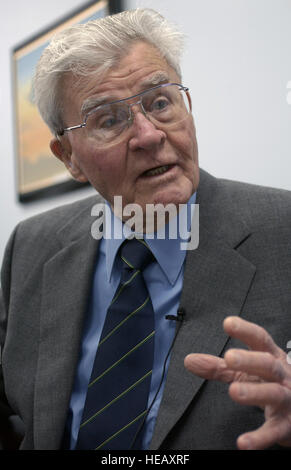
[
  {"x": 185, "y": 143},
  {"x": 105, "y": 170},
  {"x": 191, "y": 140}
]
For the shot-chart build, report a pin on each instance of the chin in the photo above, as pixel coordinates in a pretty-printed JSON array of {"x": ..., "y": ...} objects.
[{"x": 174, "y": 197}]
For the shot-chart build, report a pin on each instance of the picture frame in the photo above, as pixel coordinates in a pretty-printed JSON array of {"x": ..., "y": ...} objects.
[{"x": 38, "y": 173}]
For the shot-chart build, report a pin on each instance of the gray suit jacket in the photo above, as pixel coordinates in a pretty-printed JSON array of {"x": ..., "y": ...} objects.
[{"x": 241, "y": 267}]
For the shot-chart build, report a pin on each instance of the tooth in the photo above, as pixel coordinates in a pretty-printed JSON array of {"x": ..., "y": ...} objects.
[{"x": 158, "y": 171}]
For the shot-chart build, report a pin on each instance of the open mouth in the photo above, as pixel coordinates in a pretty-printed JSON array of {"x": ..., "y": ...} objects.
[{"x": 157, "y": 171}]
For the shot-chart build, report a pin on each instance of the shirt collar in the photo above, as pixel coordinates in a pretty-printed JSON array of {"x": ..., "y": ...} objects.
[{"x": 161, "y": 248}]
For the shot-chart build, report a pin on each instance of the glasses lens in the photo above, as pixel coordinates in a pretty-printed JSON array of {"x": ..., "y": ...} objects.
[
  {"x": 164, "y": 106},
  {"x": 107, "y": 122}
]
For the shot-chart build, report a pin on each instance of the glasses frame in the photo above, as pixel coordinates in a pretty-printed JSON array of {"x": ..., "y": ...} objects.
[{"x": 163, "y": 85}]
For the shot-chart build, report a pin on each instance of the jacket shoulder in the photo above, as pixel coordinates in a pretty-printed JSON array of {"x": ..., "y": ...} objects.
[
  {"x": 38, "y": 236},
  {"x": 256, "y": 205},
  {"x": 58, "y": 217}
]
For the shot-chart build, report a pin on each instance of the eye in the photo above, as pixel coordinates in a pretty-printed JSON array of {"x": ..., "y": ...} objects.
[
  {"x": 160, "y": 104},
  {"x": 113, "y": 118},
  {"x": 107, "y": 122}
]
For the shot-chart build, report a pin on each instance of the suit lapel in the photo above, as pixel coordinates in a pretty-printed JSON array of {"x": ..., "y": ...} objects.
[
  {"x": 216, "y": 283},
  {"x": 67, "y": 279}
]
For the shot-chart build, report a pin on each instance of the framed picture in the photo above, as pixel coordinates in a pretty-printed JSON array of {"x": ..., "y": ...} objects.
[{"x": 38, "y": 173}]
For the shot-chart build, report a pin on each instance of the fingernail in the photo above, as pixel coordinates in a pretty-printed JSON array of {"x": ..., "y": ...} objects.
[
  {"x": 246, "y": 443},
  {"x": 235, "y": 358},
  {"x": 234, "y": 324},
  {"x": 242, "y": 391}
]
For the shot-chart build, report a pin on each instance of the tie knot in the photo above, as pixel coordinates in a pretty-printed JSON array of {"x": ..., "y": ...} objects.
[{"x": 136, "y": 254}]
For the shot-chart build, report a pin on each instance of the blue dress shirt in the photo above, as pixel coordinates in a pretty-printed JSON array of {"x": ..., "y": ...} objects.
[{"x": 164, "y": 280}]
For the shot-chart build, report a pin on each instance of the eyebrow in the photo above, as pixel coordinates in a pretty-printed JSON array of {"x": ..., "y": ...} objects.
[
  {"x": 94, "y": 101},
  {"x": 156, "y": 79}
]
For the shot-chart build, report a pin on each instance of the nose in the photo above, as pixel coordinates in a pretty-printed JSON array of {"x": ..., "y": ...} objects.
[{"x": 145, "y": 134}]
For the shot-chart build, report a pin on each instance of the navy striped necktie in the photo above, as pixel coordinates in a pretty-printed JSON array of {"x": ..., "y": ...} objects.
[{"x": 117, "y": 396}]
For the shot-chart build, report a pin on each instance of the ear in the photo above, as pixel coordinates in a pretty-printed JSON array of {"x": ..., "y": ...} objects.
[{"x": 63, "y": 151}]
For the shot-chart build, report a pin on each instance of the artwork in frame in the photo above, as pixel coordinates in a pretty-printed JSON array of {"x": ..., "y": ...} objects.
[{"x": 38, "y": 173}]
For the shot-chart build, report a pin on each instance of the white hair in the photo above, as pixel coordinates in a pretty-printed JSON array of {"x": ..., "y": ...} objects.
[{"x": 96, "y": 46}]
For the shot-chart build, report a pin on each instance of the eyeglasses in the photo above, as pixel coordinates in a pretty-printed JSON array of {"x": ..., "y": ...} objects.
[{"x": 164, "y": 105}]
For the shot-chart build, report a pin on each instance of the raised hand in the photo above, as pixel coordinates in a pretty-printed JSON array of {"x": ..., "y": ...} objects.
[{"x": 260, "y": 376}]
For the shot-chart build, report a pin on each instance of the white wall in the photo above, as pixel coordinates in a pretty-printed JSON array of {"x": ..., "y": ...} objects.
[{"x": 237, "y": 64}]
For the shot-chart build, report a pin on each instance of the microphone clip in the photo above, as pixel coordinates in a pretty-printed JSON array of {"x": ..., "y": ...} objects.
[{"x": 179, "y": 317}]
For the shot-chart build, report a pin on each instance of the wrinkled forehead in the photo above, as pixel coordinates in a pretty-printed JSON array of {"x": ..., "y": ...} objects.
[
  {"x": 98, "y": 99},
  {"x": 141, "y": 68}
]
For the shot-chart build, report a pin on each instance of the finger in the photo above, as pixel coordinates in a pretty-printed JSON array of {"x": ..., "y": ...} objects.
[
  {"x": 262, "y": 364},
  {"x": 270, "y": 433},
  {"x": 261, "y": 394},
  {"x": 209, "y": 367},
  {"x": 251, "y": 334}
]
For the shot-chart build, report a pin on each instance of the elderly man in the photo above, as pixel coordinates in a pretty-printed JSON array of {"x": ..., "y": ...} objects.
[{"x": 113, "y": 344}]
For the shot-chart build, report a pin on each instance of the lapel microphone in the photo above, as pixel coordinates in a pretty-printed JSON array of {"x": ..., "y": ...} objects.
[{"x": 179, "y": 317}]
